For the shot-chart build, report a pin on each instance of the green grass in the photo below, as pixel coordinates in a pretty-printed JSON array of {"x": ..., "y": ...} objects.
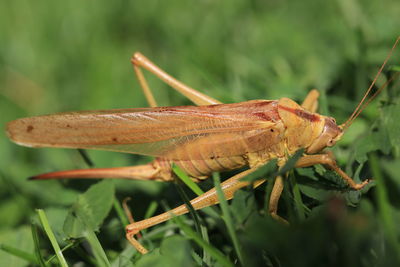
[
  {"x": 45, "y": 224},
  {"x": 73, "y": 55}
]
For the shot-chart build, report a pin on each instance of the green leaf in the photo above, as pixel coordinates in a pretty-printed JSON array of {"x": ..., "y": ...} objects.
[
  {"x": 174, "y": 251},
  {"x": 376, "y": 140},
  {"x": 90, "y": 209},
  {"x": 242, "y": 205},
  {"x": 395, "y": 68},
  {"x": 52, "y": 237},
  {"x": 315, "y": 193},
  {"x": 87, "y": 214},
  {"x": 97, "y": 249},
  {"x": 177, "y": 248},
  {"x": 266, "y": 171},
  {"x": 270, "y": 170},
  {"x": 124, "y": 258},
  {"x": 291, "y": 161}
]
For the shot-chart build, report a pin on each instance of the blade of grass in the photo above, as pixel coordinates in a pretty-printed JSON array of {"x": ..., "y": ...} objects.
[
  {"x": 226, "y": 215},
  {"x": 197, "y": 258},
  {"x": 384, "y": 207},
  {"x": 150, "y": 212},
  {"x": 287, "y": 198},
  {"x": 195, "y": 188},
  {"x": 204, "y": 234},
  {"x": 186, "y": 179},
  {"x": 215, "y": 253},
  {"x": 151, "y": 209},
  {"x": 19, "y": 253},
  {"x": 35, "y": 236},
  {"x": 86, "y": 158},
  {"x": 97, "y": 249},
  {"x": 192, "y": 211},
  {"x": 269, "y": 170},
  {"x": 200, "y": 227},
  {"x": 301, "y": 215},
  {"x": 84, "y": 255},
  {"x": 52, "y": 237},
  {"x": 291, "y": 162},
  {"x": 120, "y": 212},
  {"x": 70, "y": 245}
]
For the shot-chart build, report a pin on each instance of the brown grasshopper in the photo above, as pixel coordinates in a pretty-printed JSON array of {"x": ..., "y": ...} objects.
[{"x": 210, "y": 137}]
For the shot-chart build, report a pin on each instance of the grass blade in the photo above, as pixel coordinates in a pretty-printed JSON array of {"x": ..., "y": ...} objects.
[
  {"x": 200, "y": 227},
  {"x": 195, "y": 188},
  {"x": 186, "y": 179},
  {"x": 97, "y": 249},
  {"x": 298, "y": 202},
  {"x": 226, "y": 215},
  {"x": 189, "y": 206},
  {"x": 86, "y": 158},
  {"x": 120, "y": 212},
  {"x": 19, "y": 253},
  {"x": 291, "y": 162},
  {"x": 73, "y": 244},
  {"x": 35, "y": 236},
  {"x": 215, "y": 253},
  {"x": 151, "y": 209},
  {"x": 384, "y": 207},
  {"x": 52, "y": 238}
]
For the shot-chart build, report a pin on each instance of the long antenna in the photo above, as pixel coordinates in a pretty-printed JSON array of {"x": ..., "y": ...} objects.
[
  {"x": 361, "y": 106},
  {"x": 372, "y": 98}
]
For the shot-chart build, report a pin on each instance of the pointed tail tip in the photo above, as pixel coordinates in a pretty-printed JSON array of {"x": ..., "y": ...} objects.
[
  {"x": 47, "y": 176},
  {"x": 37, "y": 177}
]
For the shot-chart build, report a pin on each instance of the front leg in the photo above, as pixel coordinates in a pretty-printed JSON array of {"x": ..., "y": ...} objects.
[{"x": 330, "y": 162}]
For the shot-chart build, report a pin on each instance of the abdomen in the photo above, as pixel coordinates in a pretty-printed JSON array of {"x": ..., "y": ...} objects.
[{"x": 226, "y": 151}]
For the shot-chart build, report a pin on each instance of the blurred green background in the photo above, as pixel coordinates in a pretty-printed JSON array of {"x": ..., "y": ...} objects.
[{"x": 75, "y": 55}]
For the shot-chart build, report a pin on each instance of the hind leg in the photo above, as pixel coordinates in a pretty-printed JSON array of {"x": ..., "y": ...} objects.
[
  {"x": 229, "y": 187},
  {"x": 139, "y": 61}
]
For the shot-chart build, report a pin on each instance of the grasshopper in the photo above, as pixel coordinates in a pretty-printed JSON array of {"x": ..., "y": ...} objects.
[{"x": 202, "y": 139}]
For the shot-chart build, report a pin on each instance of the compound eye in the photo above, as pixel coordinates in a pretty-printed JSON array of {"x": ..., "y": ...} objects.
[
  {"x": 331, "y": 142},
  {"x": 333, "y": 120}
]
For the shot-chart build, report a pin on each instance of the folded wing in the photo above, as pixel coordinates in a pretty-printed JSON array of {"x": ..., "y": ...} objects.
[{"x": 147, "y": 131}]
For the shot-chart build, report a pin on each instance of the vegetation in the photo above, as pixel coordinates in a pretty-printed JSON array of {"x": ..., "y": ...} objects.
[{"x": 74, "y": 55}]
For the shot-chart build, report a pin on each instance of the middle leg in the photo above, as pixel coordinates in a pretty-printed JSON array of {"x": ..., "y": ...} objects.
[
  {"x": 310, "y": 103},
  {"x": 274, "y": 199}
]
